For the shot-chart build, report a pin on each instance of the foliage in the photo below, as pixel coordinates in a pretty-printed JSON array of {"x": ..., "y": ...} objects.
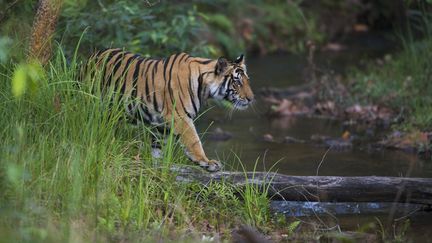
[
  {"x": 151, "y": 30},
  {"x": 15, "y": 25},
  {"x": 202, "y": 28},
  {"x": 285, "y": 27},
  {"x": 264, "y": 26},
  {"x": 5, "y": 43}
]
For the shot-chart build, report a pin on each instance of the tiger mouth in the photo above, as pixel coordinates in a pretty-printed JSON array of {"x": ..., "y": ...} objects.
[{"x": 241, "y": 105}]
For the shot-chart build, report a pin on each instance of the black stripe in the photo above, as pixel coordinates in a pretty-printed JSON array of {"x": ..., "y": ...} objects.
[
  {"x": 203, "y": 62},
  {"x": 117, "y": 63},
  {"x": 128, "y": 60},
  {"x": 179, "y": 84},
  {"x": 175, "y": 108},
  {"x": 223, "y": 84},
  {"x": 135, "y": 78},
  {"x": 112, "y": 70},
  {"x": 147, "y": 89},
  {"x": 184, "y": 55},
  {"x": 111, "y": 52},
  {"x": 142, "y": 108},
  {"x": 163, "y": 129},
  {"x": 172, "y": 65},
  {"x": 200, "y": 84},
  {"x": 155, "y": 104},
  {"x": 166, "y": 61},
  {"x": 193, "y": 101},
  {"x": 130, "y": 107},
  {"x": 105, "y": 64},
  {"x": 126, "y": 69},
  {"x": 98, "y": 52},
  {"x": 191, "y": 92},
  {"x": 169, "y": 80},
  {"x": 184, "y": 109},
  {"x": 155, "y": 143}
]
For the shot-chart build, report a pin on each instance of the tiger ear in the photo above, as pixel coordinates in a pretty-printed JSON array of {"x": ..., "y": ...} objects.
[
  {"x": 240, "y": 60},
  {"x": 221, "y": 65}
]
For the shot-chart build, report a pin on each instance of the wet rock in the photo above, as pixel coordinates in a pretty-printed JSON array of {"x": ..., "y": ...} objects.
[
  {"x": 220, "y": 135},
  {"x": 360, "y": 28},
  {"x": 302, "y": 91},
  {"x": 410, "y": 142},
  {"x": 338, "y": 144},
  {"x": 369, "y": 113},
  {"x": 346, "y": 135},
  {"x": 288, "y": 107},
  {"x": 318, "y": 138},
  {"x": 268, "y": 137},
  {"x": 334, "y": 47},
  {"x": 334, "y": 143},
  {"x": 289, "y": 139},
  {"x": 348, "y": 236},
  {"x": 247, "y": 234},
  {"x": 326, "y": 108}
]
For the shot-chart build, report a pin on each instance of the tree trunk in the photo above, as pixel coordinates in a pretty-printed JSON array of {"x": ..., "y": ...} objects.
[
  {"x": 43, "y": 29},
  {"x": 324, "y": 188}
]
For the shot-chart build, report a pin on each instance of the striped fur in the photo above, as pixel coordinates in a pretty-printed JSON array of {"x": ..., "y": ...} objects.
[{"x": 176, "y": 86}]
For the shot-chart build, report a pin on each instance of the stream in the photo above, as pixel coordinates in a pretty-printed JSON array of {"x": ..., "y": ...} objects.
[{"x": 248, "y": 146}]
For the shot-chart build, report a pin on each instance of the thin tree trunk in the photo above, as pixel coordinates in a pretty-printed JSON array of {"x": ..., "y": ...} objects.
[{"x": 43, "y": 29}]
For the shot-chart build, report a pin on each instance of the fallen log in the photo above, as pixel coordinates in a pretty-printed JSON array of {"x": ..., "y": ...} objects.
[{"x": 322, "y": 188}]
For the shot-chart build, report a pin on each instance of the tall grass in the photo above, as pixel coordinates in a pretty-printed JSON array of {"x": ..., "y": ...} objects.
[
  {"x": 403, "y": 81},
  {"x": 73, "y": 169}
]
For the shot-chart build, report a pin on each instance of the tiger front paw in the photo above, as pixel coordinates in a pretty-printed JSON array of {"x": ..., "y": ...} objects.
[{"x": 211, "y": 165}]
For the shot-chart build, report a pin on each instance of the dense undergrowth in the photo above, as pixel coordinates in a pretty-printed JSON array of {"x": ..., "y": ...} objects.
[
  {"x": 201, "y": 27},
  {"x": 73, "y": 169},
  {"x": 403, "y": 82}
]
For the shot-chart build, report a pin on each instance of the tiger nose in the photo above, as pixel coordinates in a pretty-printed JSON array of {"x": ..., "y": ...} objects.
[{"x": 250, "y": 99}]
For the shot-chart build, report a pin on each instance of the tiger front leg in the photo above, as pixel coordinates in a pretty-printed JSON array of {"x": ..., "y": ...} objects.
[{"x": 185, "y": 128}]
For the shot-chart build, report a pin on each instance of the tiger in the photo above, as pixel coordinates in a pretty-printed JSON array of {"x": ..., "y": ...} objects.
[{"x": 176, "y": 87}]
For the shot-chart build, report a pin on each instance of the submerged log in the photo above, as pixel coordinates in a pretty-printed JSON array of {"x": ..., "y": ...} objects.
[
  {"x": 322, "y": 188},
  {"x": 302, "y": 209}
]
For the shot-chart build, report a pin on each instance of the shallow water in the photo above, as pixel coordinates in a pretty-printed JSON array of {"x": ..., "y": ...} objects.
[{"x": 248, "y": 128}]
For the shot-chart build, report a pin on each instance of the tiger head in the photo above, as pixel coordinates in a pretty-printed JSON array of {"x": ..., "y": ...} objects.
[{"x": 232, "y": 83}]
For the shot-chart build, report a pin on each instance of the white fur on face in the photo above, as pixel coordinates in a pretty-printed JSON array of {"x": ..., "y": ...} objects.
[{"x": 215, "y": 91}]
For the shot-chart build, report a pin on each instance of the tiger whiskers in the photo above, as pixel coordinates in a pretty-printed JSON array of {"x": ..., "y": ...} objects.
[
  {"x": 252, "y": 106},
  {"x": 232, "y": 110}
]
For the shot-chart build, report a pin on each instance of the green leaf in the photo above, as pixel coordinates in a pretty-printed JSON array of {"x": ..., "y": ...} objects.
[
  {"x": 35, "y": 73},
  {"x": 27, "y": 77},
  {"x": 293, "y": 226},
  {"x": 19, "y": 81}
]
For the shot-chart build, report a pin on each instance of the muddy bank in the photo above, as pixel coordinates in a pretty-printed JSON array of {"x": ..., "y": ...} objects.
[{"x": 370, "y": 125}]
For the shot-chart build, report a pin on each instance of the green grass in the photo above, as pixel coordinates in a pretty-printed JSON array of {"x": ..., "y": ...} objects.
[
  {"x": 73, "y": 169},
  {"x": 403, "y": 82}
]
